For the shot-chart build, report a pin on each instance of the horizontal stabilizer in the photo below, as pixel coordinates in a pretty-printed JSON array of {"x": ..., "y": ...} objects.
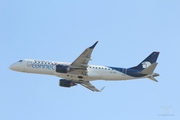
[
  {"x": 150, "y": 69},
  {"x": 152, "y": 78}
]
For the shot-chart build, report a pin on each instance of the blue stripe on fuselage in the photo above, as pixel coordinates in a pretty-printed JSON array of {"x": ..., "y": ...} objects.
[{"x": 130, "y": 72}]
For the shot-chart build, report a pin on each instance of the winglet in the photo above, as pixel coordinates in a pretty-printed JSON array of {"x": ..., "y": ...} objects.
[
  {"x": 93, "y": 45},
  {"x": 101, "y": 89}
]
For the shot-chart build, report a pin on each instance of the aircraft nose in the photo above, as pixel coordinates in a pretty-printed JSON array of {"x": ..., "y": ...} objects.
[{"x": 11, "y": 67}]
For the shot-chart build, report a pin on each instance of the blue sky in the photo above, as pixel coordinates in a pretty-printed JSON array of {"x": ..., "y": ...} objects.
[{"x": 127, "y": 31}]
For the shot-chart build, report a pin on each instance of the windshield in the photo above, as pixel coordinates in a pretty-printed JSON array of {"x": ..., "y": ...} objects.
[{"x": 20, "y": 61}]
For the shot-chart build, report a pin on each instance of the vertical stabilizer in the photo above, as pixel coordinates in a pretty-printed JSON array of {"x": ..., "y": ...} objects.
[{"x": 147, "y": 62}]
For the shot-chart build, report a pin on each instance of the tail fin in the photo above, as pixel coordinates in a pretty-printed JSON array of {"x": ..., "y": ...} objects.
[{"x": 147, "y": 62}]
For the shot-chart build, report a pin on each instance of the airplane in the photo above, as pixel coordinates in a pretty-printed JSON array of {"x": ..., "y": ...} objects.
[{"x": 80, "y": 72}]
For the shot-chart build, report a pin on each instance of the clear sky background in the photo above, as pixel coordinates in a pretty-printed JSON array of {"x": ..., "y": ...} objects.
[{"x": 127, "y": 31}]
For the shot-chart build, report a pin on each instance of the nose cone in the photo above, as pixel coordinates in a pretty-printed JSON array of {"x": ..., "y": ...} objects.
[
  {"x": 11, "y": 67},
  {"x": 17, "y": 67}
]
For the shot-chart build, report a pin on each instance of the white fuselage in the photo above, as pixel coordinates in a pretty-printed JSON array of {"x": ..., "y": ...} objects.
[{"x": 94, "y": 72}]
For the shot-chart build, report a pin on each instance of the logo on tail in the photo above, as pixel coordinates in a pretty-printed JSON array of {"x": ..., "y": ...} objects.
[{"x": 146, "y": 64}]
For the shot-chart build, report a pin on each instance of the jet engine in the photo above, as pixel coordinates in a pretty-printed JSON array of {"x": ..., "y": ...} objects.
[
  {"x": 66, "y": 83},
  {"x": 62, "y": 68}
]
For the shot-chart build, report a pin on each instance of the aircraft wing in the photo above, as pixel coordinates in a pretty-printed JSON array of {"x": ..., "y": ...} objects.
[
  {"x": 80, "y": 65},
  {"x": 88, "y": 85}
]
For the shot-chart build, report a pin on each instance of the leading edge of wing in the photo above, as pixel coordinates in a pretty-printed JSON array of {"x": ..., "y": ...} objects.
[
  {"x": 83, "y": 59},
  {"x": 88, "y": 85}
]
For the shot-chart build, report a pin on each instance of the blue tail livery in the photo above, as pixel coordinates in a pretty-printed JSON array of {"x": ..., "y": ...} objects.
[{"x": 147, "y": 62}]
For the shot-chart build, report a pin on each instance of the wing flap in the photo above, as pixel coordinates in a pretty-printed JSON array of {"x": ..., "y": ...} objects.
[
  {"x": 88, "y": 85},
  {"x": 78, "y": 71}
]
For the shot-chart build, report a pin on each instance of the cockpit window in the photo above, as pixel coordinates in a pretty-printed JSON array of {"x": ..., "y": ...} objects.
[{"x": 20, "y": 61}]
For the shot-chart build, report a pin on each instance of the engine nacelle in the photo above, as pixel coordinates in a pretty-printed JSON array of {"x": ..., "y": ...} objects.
[
  {"x": 62, "y": 68},
  {"x": 66, "y": 83}
]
